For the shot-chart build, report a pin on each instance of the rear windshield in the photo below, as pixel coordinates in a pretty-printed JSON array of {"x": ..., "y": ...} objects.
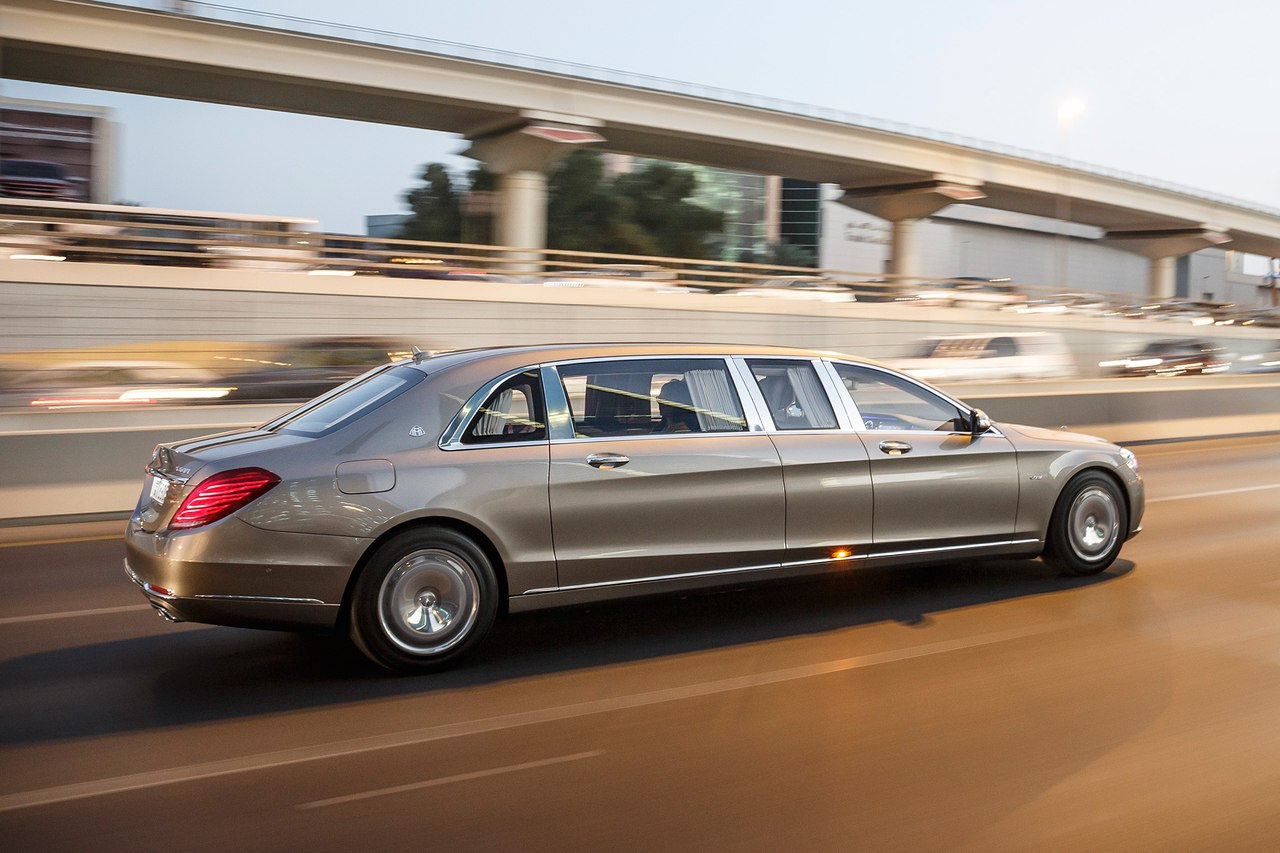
[{"x": 353, "y": 400}]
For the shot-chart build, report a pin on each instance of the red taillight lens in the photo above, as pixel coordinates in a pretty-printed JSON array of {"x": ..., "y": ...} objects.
[{"x": 221, "y": 495}]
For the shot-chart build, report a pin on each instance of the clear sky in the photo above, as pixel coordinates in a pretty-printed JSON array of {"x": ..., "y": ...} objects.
[{"x": 1176, "y": 90}]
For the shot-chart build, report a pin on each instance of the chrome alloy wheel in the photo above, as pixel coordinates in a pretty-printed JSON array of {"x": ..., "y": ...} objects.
[
  {"x": 428, "y": 602},
  {"x": 1093, "y": 523}
]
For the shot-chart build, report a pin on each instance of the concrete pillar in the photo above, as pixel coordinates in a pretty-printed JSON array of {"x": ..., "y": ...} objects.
[
  {"x": 521, "y": 153},
  {"x": 904, "y": 205},
  {"x": 522, "y": 211},
  {"x": 904, "y": 258},
  {"x": 1163, "y": 246},
  {"x": 1160, "y": 279}
]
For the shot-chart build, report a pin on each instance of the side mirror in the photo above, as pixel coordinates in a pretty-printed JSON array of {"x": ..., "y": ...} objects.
[{"x": 978, "y": 423}]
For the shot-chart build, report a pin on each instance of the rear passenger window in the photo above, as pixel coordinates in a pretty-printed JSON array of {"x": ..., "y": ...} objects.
[
  {"x": 650, "y": 397},
  {"x": 513, "y": 412},
  {"x": 793, "y": 394}
]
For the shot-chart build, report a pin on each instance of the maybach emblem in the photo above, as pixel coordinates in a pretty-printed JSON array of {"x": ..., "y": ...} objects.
[{"x": 417, "y": 431}]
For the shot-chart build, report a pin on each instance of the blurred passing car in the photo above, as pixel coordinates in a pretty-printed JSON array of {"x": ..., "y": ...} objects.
[
  {"x": 1014, "y": 355},
  {"x": 1264, "y": 362},
  {"x": 111, "y": 383},
  {"x": 1171, "y": 357},
  {"x": 303, "y": 369},
  {"x": 421, "y": 500}
]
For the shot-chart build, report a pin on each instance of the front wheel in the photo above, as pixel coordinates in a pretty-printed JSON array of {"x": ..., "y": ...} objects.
[
  {"x": 425, "y": 598},
  {"x": 1088, "y": 526}
]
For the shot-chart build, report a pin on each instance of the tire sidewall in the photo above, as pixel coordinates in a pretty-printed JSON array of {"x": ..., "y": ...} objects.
[{"x": 366, "y": 629}]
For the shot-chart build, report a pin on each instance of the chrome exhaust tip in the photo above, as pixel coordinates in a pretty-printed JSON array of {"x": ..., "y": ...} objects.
[{"x": 165, "y": 614}]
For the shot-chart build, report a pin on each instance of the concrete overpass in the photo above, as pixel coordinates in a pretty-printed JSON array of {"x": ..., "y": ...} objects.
[{"x": 520, "y": 120}]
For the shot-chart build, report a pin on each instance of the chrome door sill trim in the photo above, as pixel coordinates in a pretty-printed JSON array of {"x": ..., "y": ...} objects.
[
  {"x": 261, "y": 599},
  {"x": 790, "y": 564},
  {"x": 655, "y": 579}
]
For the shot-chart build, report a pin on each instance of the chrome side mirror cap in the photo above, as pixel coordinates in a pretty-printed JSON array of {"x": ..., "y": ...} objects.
[{"x": 978, "y": 423}]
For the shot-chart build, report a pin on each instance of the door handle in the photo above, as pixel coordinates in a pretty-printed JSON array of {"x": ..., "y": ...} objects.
[
  {"x": 895, "y": 448},
  {"x": 607, "y": 460}
]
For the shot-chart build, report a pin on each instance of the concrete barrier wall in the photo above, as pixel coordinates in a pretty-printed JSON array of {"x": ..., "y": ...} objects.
[
  {"x": 58, "y": 464},
  {"x": 70, "y": 306},
  {"x": 83, "y": 463}
]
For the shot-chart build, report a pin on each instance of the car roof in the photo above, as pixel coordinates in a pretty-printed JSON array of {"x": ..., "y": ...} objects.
[{"x": 568, "y": 352}]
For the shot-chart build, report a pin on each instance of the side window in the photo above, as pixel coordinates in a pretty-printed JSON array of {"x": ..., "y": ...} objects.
[
  {"x": 793, "y": 393},
  {"x": 513, "y": 412},
  {"x": 888, "y": 402},
  {"x": 651, "y": 396}
]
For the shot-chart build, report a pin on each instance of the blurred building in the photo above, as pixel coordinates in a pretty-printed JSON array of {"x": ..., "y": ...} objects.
[
  {"x": 969, "y": 241},
  {"x": 78, "y": 137},
  {"x": 385, "y": 224}
]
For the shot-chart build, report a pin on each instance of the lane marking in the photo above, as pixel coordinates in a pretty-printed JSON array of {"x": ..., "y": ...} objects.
[
  {"x": 449, "y": 780},
  {"x": 1192, "y": 495},
  {"x": 35, "y": 542},
  {"x": 486, "y": 725},
  {"x": 71, "y": 614}
]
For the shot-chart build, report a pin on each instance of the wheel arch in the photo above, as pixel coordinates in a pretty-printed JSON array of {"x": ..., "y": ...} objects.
[{"x": 441, "y": 522}]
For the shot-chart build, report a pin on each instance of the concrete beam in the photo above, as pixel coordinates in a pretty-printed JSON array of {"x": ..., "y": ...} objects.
[
  {"x": 1167, "y": 242},
  {"x": 913, "y": 199}
]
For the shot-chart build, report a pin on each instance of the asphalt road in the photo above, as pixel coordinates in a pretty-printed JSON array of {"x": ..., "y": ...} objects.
[{"x": 986, "y": 706}]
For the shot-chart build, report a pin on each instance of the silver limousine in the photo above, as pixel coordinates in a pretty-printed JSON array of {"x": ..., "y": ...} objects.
[{"x": 414, "y": 504}]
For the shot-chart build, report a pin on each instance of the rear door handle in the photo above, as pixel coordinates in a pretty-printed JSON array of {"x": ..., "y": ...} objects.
[
  {"x": 607, "y": 460},
  {"x": 895, "y": 448}
]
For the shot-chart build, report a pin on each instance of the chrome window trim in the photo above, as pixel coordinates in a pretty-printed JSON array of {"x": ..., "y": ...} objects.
[
  {"x": 452, "y": 437},
  {"x": 684, "y": 436},
  {"x": 856, "y": 417},
  {"x": 783, "y": 565}
]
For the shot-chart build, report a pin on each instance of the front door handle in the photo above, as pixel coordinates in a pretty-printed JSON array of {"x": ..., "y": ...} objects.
[
  {"x": 607, "y": 460},
  {"x": 895, "y": 448}
]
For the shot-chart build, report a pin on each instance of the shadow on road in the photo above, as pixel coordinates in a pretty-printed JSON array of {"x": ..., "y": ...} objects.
[{"x": 181, "y": 677}]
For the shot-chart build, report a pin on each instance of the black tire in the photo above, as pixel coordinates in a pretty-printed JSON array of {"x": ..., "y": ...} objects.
[
  {"x": 1089, "y": 524},
  {"x": 424, "y": 599}
]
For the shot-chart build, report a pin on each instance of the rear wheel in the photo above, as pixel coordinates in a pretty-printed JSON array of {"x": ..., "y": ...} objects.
[
  {"x": 1088, "y": 525},
  {"x": 424, "y": 599}
]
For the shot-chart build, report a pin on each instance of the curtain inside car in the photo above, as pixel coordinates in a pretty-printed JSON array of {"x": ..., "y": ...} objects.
[
  {"x": 810, "y": 397},
  {"x": 714, "y": 401}
]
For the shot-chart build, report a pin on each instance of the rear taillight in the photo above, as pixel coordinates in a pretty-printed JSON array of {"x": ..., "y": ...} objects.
[{"x": 221, "y": 495}]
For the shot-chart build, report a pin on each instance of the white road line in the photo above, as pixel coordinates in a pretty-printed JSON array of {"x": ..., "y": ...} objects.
[
  {"x": 449, "y": 780},
  {"x": 71, "y": 614},
  {"x": 1193, "y": 495},
  {"x": 467, "y": 728},
  {"x": 37, "y": 542}
]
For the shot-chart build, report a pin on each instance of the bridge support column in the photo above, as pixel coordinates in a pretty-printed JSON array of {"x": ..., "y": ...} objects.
[
  {"x": 904, "y": 205},
  {"x": 521, "y": 153},
  {"x": 1162, "y": 247}
]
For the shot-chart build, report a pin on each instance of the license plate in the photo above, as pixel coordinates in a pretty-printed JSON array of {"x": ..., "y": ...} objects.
[{"x": 159, "y": 488}]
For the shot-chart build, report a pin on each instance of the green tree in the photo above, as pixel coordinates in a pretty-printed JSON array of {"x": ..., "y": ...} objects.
[
  {"x": 659, "y": 196},
  {"x": 585, "y": 214},
  {"x": 435, "y": 211}
]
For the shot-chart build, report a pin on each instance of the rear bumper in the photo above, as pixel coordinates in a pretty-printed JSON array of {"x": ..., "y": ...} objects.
[
  {"x": 240, "y": 611},
  {"x": 232, "y": 573}
]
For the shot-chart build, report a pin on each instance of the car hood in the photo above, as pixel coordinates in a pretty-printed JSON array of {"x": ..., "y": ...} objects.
[{"x": 1057, "y": 436}]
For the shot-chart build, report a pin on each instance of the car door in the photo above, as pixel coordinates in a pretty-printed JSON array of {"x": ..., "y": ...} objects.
[
  {"x": 936, "y": 485},
  {"x": 655, "y": 474},
  {"x": 826, "y": 470}
]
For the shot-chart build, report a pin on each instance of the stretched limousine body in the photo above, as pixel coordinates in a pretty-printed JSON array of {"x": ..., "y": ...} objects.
[{"x": 416, "y": 503}]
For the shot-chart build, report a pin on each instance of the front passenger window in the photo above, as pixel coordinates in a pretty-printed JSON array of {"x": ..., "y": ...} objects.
[{"x": 893, "y": 403}]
